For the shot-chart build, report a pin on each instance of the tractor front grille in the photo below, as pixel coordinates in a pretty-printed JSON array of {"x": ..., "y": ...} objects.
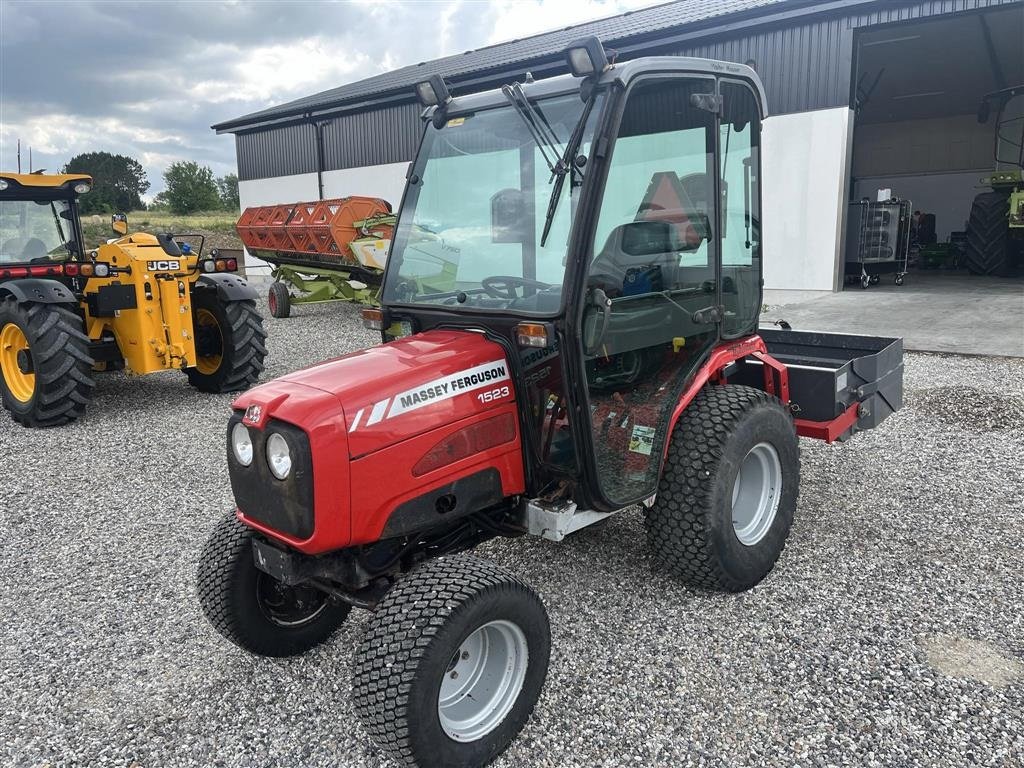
[{"x": 283, "y": 505}]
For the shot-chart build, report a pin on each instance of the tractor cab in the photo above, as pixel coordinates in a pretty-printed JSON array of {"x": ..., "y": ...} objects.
[
  {"x": 608, "y": 237},
  {"x": 39, "y": 224},
  {"x": 1009, "y": 124}
]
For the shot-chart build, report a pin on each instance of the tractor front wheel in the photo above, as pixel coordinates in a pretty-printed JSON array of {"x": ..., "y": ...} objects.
[
  {"x": 230, "y": 343},
  {"x": 252, "y": 609},
  {"x": 45, "y": 366},
  {"x": 728, "y": 492},
  {"x": 452, "y": 663}
]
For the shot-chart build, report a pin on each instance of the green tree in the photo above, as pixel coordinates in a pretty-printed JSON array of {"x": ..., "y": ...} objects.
[
  {"x": 159, "y": 202},
  {"x": 190, "y": 188},
  {"x": 227, "y": 188},
  {"x": 117, "y": 182}
]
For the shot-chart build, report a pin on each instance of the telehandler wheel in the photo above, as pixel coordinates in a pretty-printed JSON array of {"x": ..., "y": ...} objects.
[
  {"x": 728, "y": 491},
  {"x": 253, "y": 610},
  {"x": 45, "y": 366},
  {"x": 279, "y": 300},
  {"x": 452, "y": 663},
  {"x": 230, "y": 344}
]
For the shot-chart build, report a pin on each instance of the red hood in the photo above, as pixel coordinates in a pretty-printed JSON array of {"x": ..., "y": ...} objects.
[{"x": 394, "y": 391}]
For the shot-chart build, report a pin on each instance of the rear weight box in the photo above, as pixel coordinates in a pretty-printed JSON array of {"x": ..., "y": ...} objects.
[
  {"x": 829, "y": 372},
  {"x": 111, "y": 298}
]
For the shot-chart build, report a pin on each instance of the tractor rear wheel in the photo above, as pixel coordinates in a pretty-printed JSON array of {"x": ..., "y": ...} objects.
[
  {"x": 728, "y": 490},
  {"x": 45, "y": 363},
  {"x": 230, "y": 343},
  {"x": 252, "y": 609},
  {"x": 279, "y": 300},
  {"x": 987, "y": 230},
  {"x": 452, "y": 663}
]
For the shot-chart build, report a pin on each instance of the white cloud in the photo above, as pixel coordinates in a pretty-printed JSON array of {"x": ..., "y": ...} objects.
[{"x": 281, "y": 72}]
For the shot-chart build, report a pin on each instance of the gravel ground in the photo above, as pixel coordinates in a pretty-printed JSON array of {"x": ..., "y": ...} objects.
[{"x": 890, "y": 634}]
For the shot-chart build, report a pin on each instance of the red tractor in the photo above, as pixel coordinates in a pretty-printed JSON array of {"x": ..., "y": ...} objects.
[{"x": 570, "y": 328}]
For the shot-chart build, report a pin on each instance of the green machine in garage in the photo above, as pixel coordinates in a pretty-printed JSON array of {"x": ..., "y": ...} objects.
[{"x": 995, "y": 231}]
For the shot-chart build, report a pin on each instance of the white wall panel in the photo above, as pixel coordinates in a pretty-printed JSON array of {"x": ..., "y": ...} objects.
[
  {"x": 804, "y": 167},
  {"x": 384, "y": 181}
]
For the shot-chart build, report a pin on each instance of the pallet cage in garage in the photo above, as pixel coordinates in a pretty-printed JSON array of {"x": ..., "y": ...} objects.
[{"x": 877, "y": 241}]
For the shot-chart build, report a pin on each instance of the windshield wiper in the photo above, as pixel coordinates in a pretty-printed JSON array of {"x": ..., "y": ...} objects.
[
  {"x": 545, "y": 143},
  {"x": 60, "y": 229},
  {"x": 567, "y": 164}
]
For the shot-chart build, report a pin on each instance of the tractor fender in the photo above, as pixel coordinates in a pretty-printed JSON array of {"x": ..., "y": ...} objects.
[
  {"x": 40, "y": 290},
  {"x": 228, "y": 287}
]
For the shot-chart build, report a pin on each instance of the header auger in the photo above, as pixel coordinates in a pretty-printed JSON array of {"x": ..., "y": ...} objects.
[{"x": 327, "y": 250}]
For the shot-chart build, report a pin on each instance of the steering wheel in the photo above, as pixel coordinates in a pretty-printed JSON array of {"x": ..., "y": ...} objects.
[{"x": 504, "y": 286}]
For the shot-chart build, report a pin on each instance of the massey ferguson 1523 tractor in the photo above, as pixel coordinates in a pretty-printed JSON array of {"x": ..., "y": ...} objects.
[
  {"x": 570, "y": 329},
  {"x": 139, "y": 302}
]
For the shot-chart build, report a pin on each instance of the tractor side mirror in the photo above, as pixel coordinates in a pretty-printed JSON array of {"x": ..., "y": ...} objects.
[
  {"x": 984, "y": 110},
  {"x": 119, "y": 224},
  {"x": 508, "y": 216}
]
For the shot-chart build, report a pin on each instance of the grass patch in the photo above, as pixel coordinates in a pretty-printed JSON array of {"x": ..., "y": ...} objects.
[{"x": 217, "y": 226}]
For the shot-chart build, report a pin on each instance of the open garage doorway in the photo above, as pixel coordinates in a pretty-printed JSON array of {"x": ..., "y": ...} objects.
[{"x": 920, "y": 152}]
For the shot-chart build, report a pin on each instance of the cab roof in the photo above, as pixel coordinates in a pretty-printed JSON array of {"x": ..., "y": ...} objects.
[
  {"x": 619, "y": 73},
  {"x": 46, "y": 180}
]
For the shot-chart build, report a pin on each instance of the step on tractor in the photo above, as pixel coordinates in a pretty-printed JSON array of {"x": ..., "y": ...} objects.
[
  {"x": 594, "y": 349},
  {"x": 138, "y": 302},
  {"x": 995, "y": 230}
]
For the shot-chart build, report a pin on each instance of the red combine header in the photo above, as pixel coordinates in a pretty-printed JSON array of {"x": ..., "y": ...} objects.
[{"x": 319, "y": 248}]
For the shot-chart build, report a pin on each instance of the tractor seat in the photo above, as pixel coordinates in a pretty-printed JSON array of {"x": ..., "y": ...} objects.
[
  {"x": 20, "y": 249},
  {"x": 638, "y": 257},
  {"x": 34, "y": 249}
]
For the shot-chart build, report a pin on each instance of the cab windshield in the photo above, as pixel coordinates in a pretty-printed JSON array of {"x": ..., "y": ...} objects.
[
  {"x": 471, "y": 229},
  {"x": 31, "y": 230}
]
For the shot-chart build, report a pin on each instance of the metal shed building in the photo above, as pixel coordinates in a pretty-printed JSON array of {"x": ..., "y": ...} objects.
[{"x": 862, "y": 94}]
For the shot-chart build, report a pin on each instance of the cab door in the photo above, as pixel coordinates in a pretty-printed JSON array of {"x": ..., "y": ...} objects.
[
  {"x": 651, "y": 301},
  {"x": 739, "y": 142}
]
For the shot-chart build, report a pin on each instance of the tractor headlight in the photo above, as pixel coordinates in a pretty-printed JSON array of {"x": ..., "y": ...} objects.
[
  {"x": 279, "y": 456},
  {"x": 3, "y": 184},
  {"x": 81, "y": 187},
  {"x": 241, "y": 444}
]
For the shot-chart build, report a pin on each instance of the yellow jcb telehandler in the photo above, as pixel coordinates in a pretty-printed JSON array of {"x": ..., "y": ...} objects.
[{"x": 140, "y": 302}]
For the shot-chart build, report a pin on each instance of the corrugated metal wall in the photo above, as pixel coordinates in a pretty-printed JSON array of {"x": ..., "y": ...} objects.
[
  {"x": 802, "y": 67},
  {"x": 806, "y": 65},
  {"x": 276, "y": 152},
  {"x": 386, "y": 135}
]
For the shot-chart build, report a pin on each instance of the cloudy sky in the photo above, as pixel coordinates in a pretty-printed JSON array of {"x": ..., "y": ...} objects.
[{"x": 148, "y": 79}]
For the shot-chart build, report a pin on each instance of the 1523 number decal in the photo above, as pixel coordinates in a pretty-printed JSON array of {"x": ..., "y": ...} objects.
[{"x": 494, "y": 394}]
